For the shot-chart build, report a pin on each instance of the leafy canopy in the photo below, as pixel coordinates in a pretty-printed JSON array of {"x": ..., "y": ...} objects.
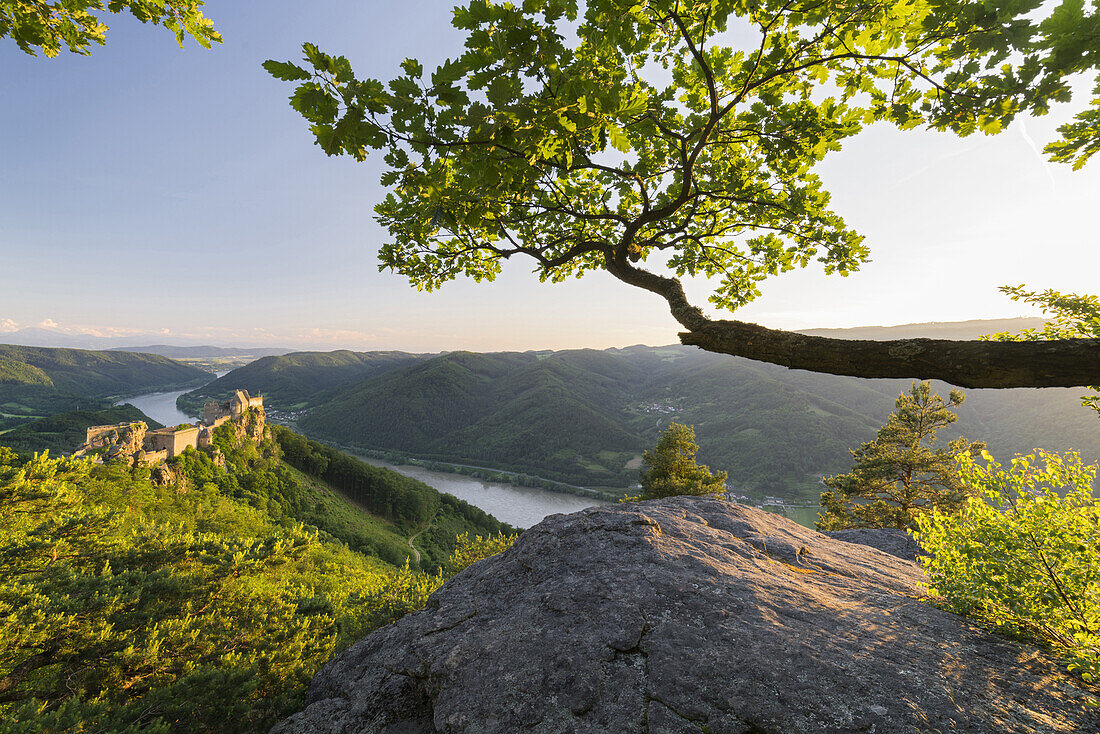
[
  {"x": 671, "y": 469},
  {"x": 49, "y": 26},
  {"x": 1023, "y": 554},
  {"x": 899, "y": 476},
  {"x": 678, "y": 134}
]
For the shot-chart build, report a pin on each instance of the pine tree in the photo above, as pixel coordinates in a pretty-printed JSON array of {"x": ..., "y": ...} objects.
[
  {"x": 671, "y": 468},
  {"x": 899, "y": 475}
]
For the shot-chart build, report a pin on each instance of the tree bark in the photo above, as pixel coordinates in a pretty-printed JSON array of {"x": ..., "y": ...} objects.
[{"x": 973, "y": 364}]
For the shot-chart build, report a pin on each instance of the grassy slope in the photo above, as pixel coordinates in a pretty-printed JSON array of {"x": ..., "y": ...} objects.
[
  {"x": 342, "y": 518},
  {"x": 376, "y": 510}
]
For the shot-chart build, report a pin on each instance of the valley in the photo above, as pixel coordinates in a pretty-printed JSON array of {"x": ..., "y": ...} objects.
[{"x": 583, "y": 417}]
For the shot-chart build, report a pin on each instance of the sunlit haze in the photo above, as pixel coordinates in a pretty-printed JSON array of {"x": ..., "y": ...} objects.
[{"x": 172, "y": 196}]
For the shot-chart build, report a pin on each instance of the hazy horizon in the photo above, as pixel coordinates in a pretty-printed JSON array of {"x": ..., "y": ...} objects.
[{"x": 46, "y": 337}]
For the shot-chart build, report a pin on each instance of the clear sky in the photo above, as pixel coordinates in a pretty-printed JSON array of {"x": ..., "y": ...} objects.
[{"x": 149, "y": 191}]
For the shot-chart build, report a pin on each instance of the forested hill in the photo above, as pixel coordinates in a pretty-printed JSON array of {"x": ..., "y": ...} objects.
[
  {"x": 294, "y": 381},
  {"x": 584, "y": 416},
  {"x": 37, "y": 382},
  {"x": 90, "y": 373}
]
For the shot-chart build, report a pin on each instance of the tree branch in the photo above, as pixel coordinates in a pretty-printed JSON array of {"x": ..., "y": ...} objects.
[{"x": 972, "y": 364}]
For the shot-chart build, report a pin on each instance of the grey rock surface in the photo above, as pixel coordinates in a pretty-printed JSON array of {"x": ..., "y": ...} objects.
[
  {"x": 888, "y": 540},
  {"x": 688, "y": 615}
]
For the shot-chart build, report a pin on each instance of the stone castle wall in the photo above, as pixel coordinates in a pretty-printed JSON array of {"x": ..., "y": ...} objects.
[
  {"x": 100, "y": 434},
  {"x": 155, "y": 447},
  {"x": 171, "y": 440}
]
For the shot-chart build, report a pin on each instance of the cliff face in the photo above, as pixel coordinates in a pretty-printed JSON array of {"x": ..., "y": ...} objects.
[{"x": 688, "y": 615}]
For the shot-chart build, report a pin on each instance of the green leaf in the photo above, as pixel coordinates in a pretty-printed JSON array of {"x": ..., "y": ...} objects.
[
  {"x": 618, "y": 138},
  {"x": 285, "y": 70}
]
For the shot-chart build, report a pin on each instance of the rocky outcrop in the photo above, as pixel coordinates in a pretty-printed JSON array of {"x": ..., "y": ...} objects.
[
  {"x": 132, "y": 438},
  {"x": 163, "y": 476},
  {"x": 688, "y": 615},
  {"x": 888, "y": 540},
  {"x": 128, "y": 437},
  {"x": 251, "y": 424}
]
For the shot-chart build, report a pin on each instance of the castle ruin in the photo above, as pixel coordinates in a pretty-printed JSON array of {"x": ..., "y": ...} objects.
[{"x": 141, "y": 446}]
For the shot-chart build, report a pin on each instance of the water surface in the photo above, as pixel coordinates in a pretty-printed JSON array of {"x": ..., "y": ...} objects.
[
  {"x": 161, "y": 406},
  {"x": 515, "y": 505}
]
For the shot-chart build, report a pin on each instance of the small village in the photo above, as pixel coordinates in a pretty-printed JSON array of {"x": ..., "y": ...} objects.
[{"x": 140, "y": 446}]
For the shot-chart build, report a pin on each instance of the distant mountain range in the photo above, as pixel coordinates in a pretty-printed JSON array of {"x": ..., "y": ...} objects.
[
  {"x": 931, "y": 330},
  {"x": 39, "y": 337},
  {"x": 203, "y": 352},
  {"x": 585, "y": 416},
  {"x": 35, "y": 336}
]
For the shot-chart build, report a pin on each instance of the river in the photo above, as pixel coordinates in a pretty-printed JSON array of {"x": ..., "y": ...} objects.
[
  {"x": 518, "y": 506},
  {"x": 160, "y": 406},
  {"x": 521, "y": 507}
]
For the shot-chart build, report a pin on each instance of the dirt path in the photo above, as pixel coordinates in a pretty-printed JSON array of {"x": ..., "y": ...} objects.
[{"x": 414, "y": 537}]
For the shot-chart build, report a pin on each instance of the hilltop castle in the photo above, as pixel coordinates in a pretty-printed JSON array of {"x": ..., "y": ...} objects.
[{"x": 142, "y": 446}]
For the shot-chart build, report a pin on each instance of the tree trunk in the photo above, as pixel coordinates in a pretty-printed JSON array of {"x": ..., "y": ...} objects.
[{"x": 1054, "y": 363}]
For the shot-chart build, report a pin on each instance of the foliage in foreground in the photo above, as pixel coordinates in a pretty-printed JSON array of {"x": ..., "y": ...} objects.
[
  {"x": 555, "y": 135},
  {"x": 1022, "y": 557},
  {"x": 127, "y": 606},
  {"x": 469, "y": 551},
  {"x": 899, "y": 476},
  {"x": 671, "y": 468},
  {"x": 75, "y": 24}
]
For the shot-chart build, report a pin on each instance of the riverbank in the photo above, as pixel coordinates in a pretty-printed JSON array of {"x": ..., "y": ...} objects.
[
  {"x": 489, "y": 474},
  {"x": 521, "y": 507}
]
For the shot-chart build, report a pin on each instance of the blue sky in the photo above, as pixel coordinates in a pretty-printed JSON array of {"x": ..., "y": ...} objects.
[{"x": 148, "y": 191}]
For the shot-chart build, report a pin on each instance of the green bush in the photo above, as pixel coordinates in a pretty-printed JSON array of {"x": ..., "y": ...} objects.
[
  {"x": 1021, "y": 556},
  {"x": 469, "y": 551}
]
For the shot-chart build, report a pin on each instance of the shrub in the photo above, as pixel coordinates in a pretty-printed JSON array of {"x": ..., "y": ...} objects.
[
  {"x": 469, "y": 551},
  {"x": 1021, "y": 556}
]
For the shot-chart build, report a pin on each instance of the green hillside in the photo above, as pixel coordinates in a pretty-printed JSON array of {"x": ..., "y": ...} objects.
[
  {"x": 36, "y": 382},
  {"x": 62, "y": 433},
  {"x": 13, "y": 372},
  {"x": 99, "y": 374},
  {"x": 291, "y": 382},
  {"x": 408, "y": 506},
  {"x": 206, "y": 603},
  {"x": 582, "y": 416}
]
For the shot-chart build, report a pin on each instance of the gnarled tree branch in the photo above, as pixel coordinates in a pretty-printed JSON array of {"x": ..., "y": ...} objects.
[
  {"x": 972, "y": 364},
  {"x": 1054, "y": 363}
]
